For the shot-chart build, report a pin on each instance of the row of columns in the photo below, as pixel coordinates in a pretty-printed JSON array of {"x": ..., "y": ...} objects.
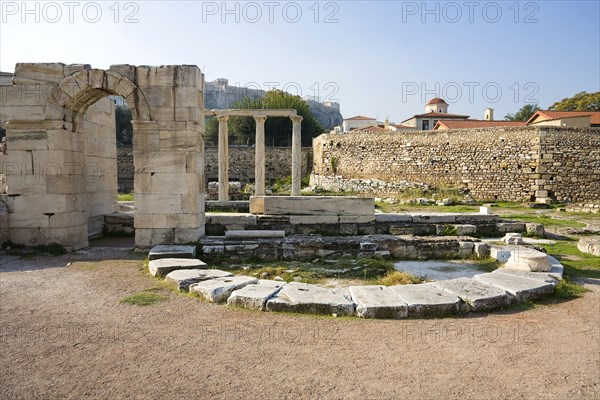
[{"x": 259, "y": 156}]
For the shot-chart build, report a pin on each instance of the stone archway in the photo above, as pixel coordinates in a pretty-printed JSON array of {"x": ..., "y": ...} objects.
[{"x": 48, "y": 162}]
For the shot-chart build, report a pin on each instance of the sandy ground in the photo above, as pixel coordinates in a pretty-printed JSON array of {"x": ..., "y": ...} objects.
[{"x": 64, "y": 334}]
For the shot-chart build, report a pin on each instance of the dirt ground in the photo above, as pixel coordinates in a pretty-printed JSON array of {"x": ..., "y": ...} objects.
[{"x": 64, "y": 334}]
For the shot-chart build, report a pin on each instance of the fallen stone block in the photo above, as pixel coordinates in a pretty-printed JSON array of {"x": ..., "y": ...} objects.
[
  {"x": 589, "y": 245},
  {"x": 520, "y": 287},
  {"x": 513, "y": 238},
  {"x": 377, "y": 302},
  {"x": 528, "y": 259},
  {"x": 500, "y": 254},
  {"x": 254, "y": 234},
  {"x": 541, "y": 276},
  {"x": 168, "y": 251},
  {"x": 163, "y": 266},
  {"x": 219, "y": 289},
  {"x": 424, "y": 299},
  {"x": 479, "y": 296},
  {"x": 311, "y": 299},
  {"x": 535, "y": 229},
  {"x": 185, "y": 277},
  {"x": 255, "y": 296}
]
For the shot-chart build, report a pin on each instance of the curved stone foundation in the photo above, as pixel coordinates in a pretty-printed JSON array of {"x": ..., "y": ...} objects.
[{"x": 481, "y": 293}]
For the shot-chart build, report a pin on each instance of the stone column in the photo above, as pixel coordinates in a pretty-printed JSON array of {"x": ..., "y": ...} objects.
[
  {"x": 223, "y": 159},
  {"x": 259, "y": 157},
  {"x": 296, "y": 155}
]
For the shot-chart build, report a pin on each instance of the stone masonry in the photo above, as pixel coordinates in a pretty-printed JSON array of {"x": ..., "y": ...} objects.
[
  {"x": 278, "y": 161},
  {"x": 60, "y": 176},
  {"x": 519, "y": 164}
]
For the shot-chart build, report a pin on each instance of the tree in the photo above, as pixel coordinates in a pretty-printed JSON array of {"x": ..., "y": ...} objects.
[
  {"x": 123, "y": 125},
  {"x": 278, "y": 130},
  {"x": 523, "y": 114},
  {"x": 211, "y": 131},
  {"x": 582, "y": 101}
]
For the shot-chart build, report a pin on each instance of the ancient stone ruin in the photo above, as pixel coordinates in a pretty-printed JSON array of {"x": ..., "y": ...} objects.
[{"x": 59, "y": 178}]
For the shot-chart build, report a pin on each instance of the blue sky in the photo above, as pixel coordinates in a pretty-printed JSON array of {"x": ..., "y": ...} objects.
[{"x": 377, "y": 58}]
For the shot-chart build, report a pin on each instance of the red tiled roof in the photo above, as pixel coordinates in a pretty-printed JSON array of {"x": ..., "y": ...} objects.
[
  {"x": 438, "y": 115},
  {"x": 436, "y": 100},
  {"x": 400, "y": 126},
  {"x": 552, "y": 115},
  {"x": 359, "y": 117},
  {"x": 475, "y": 123}
]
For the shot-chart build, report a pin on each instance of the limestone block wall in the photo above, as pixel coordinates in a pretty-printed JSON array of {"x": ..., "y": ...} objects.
[
  {"x": 100, "y": 170},
  {"x": 518, "y": 164},
  {"x": 50, "y": 137}
]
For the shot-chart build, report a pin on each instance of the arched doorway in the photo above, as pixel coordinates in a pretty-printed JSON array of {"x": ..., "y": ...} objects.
[{"x": 74, "y": 170}]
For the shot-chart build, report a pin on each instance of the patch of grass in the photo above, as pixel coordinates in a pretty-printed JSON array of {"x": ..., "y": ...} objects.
[
  {"x": 488, "y": 265},
  {"x": 282, "y": 185},
  {"x": 449, "y": 230},
  {"x": 398, "y": 278},
  {"x": 143, "y": 299},
  {"x": 125, "y": 197},
  {"x": 576, "y": 263},
  {"x": 366, "y": 269},
  {"x": 566, "y": 290},
  {"x": 270, "y": 272},
  {"x": 545, "y": 220}
]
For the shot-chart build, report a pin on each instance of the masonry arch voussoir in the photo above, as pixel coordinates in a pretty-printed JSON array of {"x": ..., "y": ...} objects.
[{"x": 83, "y": 88}]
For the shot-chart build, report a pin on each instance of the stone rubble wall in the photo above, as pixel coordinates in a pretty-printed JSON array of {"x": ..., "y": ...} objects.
[
  {"x": 241, "y": 164},
  {"x": 518, "y": 164}
]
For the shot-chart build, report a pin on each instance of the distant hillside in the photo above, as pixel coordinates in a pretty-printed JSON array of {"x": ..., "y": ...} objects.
[{"x": 219, "y": 95}]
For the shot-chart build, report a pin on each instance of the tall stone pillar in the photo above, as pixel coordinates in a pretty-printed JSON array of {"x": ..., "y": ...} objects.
[
  {"x": 259, "y": 157},
  {"x": 223, "y": 159},
  {"x": 296, "y": 155}
]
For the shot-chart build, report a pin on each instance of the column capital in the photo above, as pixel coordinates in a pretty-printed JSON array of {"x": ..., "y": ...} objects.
[
  {"x": 222, "y": 118},
  {"x": 260, "y": 118},
  {"x": 296, "y": 118}
]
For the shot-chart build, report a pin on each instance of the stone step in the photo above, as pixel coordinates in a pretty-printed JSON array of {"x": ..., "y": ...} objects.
[
  {"x": 311, "y": 299},
  {"x": 542, "y": 276},
  {"x": 377, "y": 301},
  {"x": 479, "y": 296},
  {"x": 424, "y": 299},
  {"x": 255, "y": 296},
  {"x": 520, "y": 287},
  {"x": 254, "y": 234},
  {"x": 172, "y": 251},
  {"x": 218, "y": 290},
  {"x": 185, "y": 277},
  {"x": 162, "y": 266}
]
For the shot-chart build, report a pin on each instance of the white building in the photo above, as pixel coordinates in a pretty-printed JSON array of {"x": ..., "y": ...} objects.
[{"x": 358, "y": 121}]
